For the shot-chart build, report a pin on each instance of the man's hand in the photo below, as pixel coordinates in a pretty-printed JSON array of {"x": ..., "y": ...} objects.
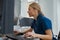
[
  {"x": 16, "y": 32},
  {"x": 30, "y": 34}
]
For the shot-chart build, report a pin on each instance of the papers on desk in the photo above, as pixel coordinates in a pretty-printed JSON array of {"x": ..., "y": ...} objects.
[{"x": 21, "y": 29}]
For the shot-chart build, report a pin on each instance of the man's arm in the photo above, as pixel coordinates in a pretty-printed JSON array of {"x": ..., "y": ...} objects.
[{"x": 47, "y": 36}]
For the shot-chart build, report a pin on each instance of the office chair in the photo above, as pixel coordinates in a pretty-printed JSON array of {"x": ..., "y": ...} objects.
[{"x": 59, "y": 36}]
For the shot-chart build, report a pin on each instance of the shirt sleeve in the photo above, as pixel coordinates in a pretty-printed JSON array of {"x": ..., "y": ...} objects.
[
  {"x": 32, "y": 25},
  {"x": 46, "y": 24}
]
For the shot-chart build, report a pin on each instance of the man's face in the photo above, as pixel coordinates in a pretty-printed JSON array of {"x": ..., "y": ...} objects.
[{"x": 30, "y": 11}]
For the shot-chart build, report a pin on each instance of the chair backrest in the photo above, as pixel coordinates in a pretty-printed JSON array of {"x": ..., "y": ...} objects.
[
  {"x": 59, "y": 36},
  {"x": 26, "y": 21}
]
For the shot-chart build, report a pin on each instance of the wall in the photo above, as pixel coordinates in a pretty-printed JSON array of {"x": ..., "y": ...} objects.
[
  {"x": 58, "y": 13},
  {"x": 17, "y": 8}
]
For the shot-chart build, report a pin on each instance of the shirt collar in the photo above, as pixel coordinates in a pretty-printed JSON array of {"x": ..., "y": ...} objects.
[{"x": 39, "y": 15}]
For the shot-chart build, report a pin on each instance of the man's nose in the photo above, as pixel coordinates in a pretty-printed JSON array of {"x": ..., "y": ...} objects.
[{"x": 27, "y": 11}]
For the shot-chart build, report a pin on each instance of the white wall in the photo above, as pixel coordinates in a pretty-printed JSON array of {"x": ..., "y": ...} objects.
[
  {"x": 58, "y": 14},
  {"x": 17, "y": 8},
  {"x": 55, "y": 25},
  {"x": 20, "y": 8},
  {"x": 24, "y": 8}
]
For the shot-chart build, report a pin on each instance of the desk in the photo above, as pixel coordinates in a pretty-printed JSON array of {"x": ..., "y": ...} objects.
[
  {"x": 19, "y": 37},
  {"x": 1, "y": 38}
]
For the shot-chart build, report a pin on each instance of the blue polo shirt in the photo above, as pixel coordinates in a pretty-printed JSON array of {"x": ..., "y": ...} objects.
[{"x": 41, "y": 24}]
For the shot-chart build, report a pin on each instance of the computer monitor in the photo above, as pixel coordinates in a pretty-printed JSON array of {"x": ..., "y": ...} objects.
[{"x": 6, "y": 16}]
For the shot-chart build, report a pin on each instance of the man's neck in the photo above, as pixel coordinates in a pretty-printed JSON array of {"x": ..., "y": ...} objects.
[{"x": 35, "y": 16}]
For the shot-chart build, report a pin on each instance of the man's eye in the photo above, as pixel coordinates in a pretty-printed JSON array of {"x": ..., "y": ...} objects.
[{"x": 29, "y": 9}]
